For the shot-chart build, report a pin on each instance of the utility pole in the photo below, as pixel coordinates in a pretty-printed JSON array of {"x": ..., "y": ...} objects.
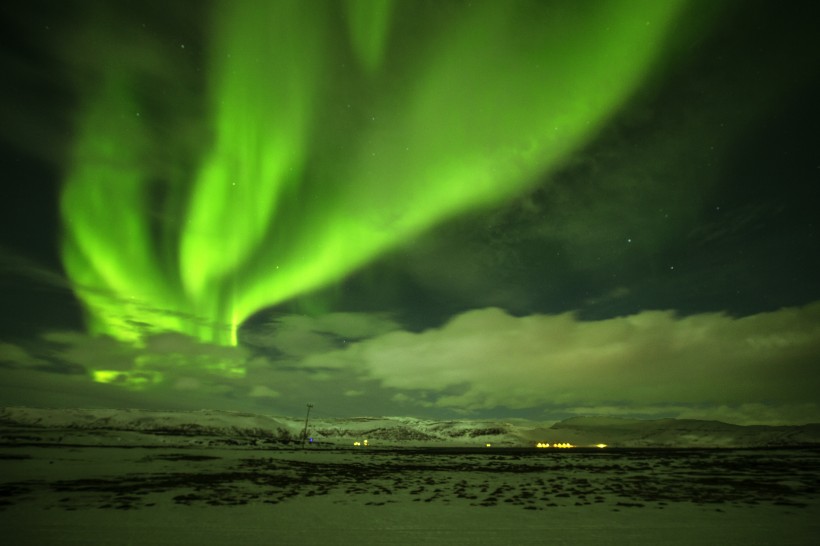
[{"x": 304, "y": 432}]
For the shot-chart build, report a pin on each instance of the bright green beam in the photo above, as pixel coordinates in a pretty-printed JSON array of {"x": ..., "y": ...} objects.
[
  {"x": 264, "y": 83},
  {"x": 108, "y": 248},
  {"x": 326, "y": 152}
]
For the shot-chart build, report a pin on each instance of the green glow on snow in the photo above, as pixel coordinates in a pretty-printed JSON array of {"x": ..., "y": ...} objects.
[{"x": 325, "y": 152}]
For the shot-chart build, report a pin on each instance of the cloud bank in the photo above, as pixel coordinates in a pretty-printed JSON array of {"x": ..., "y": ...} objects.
[
  {"x": 652, "y": 358},
  {"x": 482, "y": 363}
]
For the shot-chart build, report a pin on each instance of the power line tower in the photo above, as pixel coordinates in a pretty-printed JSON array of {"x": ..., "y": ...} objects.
[{"x": 304, "y": 432}]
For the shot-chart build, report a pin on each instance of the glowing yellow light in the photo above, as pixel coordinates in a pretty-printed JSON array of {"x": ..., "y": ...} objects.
[
  {"x": 600, "y": 445},
  {"x": 365, "y": 442},
  {"x": 489, "y": 445},
  {"x": 542, "y": 444},
  {"x": 357, "y": 443}
]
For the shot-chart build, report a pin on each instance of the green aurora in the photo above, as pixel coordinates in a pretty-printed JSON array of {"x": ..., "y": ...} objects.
[{"x": 333, "y": 136}]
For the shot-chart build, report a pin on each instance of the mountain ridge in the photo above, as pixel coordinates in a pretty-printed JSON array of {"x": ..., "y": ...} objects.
[{"x": 220, "y": 427}]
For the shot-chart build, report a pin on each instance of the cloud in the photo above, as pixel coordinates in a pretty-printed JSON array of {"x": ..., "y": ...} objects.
[
  {"x": 261, "y": 391},
  {"x": 174, "y": 371},
  {"x": 168, "y": 371},
  {"x": 300, "y": 335},
  {"x": 14, "y": 264},
  {"x": 740, "y": 414},
  {"x": 17, "y": 357},
  {"x": 757, "y": 413},
  {"x": 490, "y": 359},
  {"x": 486, "y": 362},
  {"x": 160, "y": 357}
]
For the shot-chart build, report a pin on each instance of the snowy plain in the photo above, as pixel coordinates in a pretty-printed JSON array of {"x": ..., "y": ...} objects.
[{"x": 64, "y": 485}]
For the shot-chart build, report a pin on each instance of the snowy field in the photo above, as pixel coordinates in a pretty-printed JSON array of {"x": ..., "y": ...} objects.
[{"x": 90, "y": 495}]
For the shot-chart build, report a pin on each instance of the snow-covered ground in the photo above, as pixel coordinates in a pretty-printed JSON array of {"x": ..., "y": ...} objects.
[
  {"x": 161, "y": 478},
  {"x": 135, "y": 495}
]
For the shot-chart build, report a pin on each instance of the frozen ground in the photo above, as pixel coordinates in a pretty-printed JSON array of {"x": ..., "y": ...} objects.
[{"x": 59, "y": 494}]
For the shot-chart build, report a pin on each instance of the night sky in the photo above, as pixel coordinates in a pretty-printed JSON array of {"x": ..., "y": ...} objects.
[{"x": 443, "y": 209}]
